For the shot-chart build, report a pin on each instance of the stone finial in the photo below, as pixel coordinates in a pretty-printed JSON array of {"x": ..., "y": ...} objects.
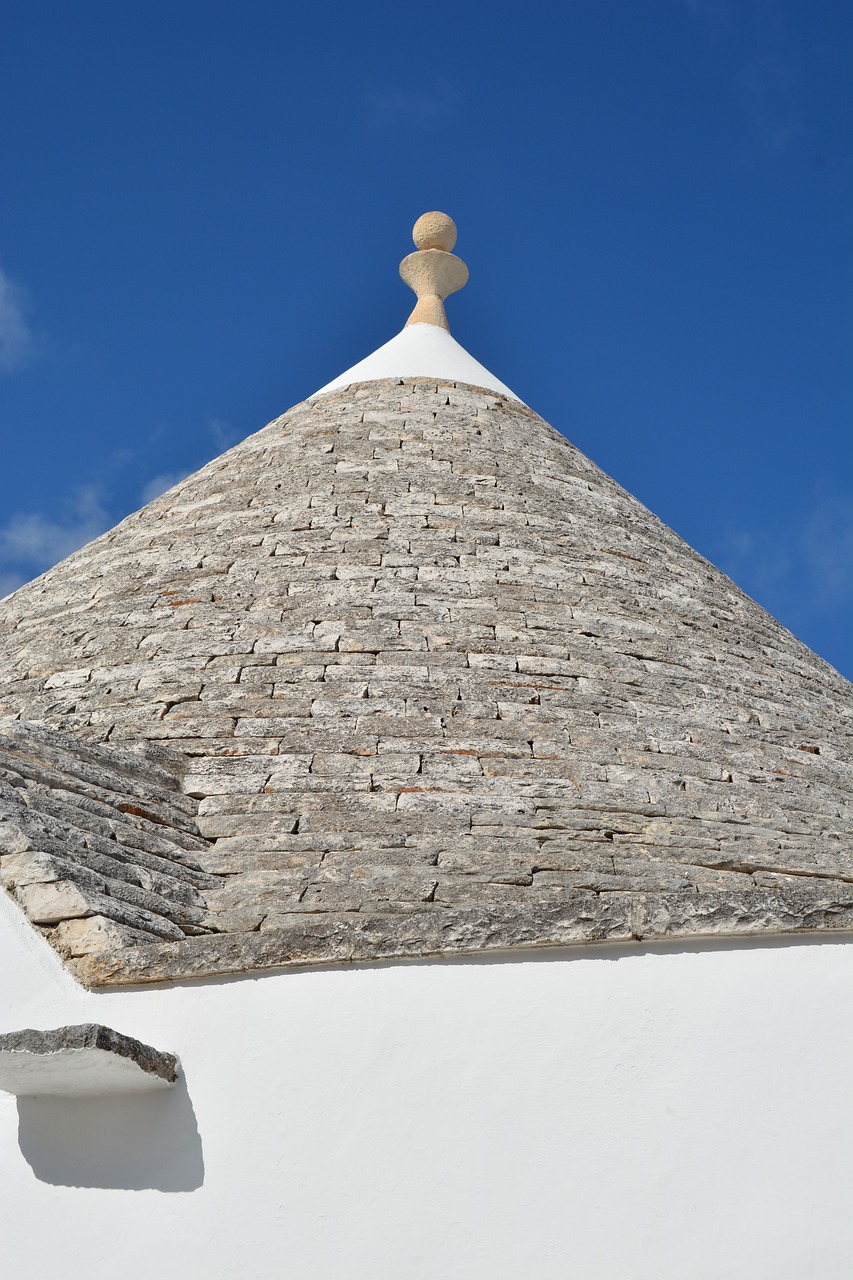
[{"x": 433, "y": 272}]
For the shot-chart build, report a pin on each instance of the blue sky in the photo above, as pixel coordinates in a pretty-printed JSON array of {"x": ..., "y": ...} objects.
[{"x": 204, "y": 205}]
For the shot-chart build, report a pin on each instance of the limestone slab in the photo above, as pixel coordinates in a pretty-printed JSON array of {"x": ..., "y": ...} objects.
[{"x": 80, "y": 1061}]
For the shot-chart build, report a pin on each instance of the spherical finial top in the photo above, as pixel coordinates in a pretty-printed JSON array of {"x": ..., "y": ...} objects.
[{"x": 434, "y": 231}]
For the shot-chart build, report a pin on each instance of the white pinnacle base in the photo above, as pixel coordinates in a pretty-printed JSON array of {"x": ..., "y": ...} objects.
[{"x": 420, "y": 351}]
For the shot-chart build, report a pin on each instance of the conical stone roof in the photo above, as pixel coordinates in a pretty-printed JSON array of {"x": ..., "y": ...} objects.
[{"x": 436, "y": 683}]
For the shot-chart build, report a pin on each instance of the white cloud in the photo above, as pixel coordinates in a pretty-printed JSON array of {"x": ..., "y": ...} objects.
[
  {"x": 17, "y": 344},
  {"x": 31, "y": 541},
  {"x": 828, "y": 549},
  {"x": 159, "y": 484},
  {"x": 755, "y": 557},
  {"x": 223, "y": 433},
  {"x": 807, "y": 567}
]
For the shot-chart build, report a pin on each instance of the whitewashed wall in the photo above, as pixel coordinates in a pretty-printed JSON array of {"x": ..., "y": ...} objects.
[{"x": 610, "y": 1112}]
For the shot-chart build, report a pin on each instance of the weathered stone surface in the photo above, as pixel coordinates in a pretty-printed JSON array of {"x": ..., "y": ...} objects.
[
  {"x": 414, "y": 659},
  {"x": 573, "y": 918},
  {"x": 97, "y": 832},
  {"x": 87, "y": 935}
]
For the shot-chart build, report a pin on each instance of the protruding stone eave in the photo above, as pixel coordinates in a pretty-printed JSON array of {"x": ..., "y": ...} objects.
[
  {"x": 582, "y": 918},
  {"x": 421, "y": 351},
  {"x": 81, "y": 1060}
]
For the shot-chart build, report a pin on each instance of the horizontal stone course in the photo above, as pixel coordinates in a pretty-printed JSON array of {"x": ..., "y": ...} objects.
[{"x": 569, "y": 919}]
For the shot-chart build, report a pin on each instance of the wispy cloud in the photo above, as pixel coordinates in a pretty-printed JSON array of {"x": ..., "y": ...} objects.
[
  {"x": 417, "y": 104},
  {"x": 755, "y": 559},
  {"x": 714, "y": 13},
  {"x": 828, "y": 550},
  {"x": 159, "y": 484},
  {"x": 769, "y": 88},
  {"x": 766, "y": 71},
  {"x": 224, "y": 435},
  {"x": 806, "y": 569},
  {"x": 17, "y": 344},
  {"x": 31, "y": 540}
]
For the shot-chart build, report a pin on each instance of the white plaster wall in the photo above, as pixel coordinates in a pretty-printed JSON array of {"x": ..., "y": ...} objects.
[{"x": 595, "y": 1113}]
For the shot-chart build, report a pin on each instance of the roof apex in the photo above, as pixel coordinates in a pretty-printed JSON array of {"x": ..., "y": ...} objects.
[
  {"x": 420, "y": 350},
  {"x": 425, "y": 348}
]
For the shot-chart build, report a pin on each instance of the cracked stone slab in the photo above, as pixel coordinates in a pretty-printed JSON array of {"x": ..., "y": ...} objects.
[{"x": 81, "y": 1060}]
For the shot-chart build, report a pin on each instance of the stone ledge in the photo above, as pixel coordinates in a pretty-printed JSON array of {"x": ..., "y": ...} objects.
[
  {"x": 81, "y": 1060},
  {"x": 578, "y": 918}
]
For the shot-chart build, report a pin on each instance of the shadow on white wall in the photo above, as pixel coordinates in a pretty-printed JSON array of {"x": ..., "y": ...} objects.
[{"x": 135, "y": 1142}]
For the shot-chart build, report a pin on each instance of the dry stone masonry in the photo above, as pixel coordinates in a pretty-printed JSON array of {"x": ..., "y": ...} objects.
[
  {"x": 433, "y": 683},
  {"x": 98, "y": 845}
]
